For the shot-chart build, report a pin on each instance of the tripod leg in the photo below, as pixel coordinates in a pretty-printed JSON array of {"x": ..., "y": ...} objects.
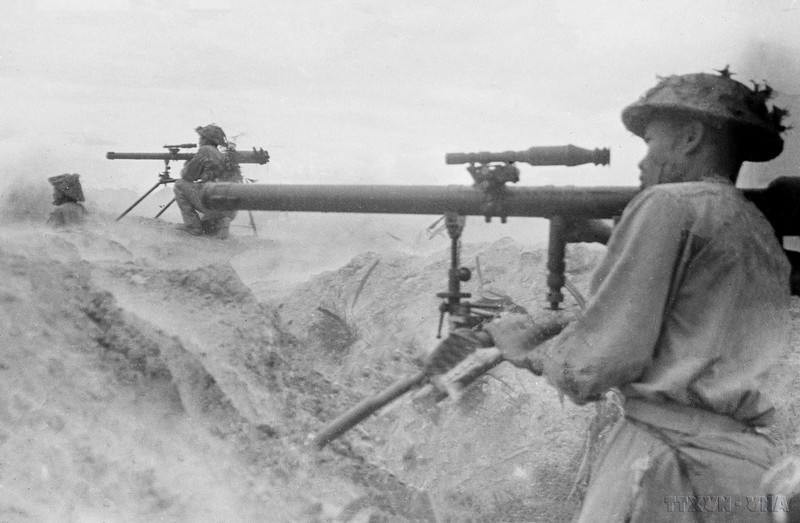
[
  {"x": 145, "y": 195},
  {"x": 165, "y": 208},
  {"x": 253, "y": 223}
]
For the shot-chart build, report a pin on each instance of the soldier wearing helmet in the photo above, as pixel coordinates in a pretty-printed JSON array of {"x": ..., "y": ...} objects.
[
  {"x": 688, "y": 310},
  {"x": 67, "y": 195},
  {"x": 209, "y": 164}
]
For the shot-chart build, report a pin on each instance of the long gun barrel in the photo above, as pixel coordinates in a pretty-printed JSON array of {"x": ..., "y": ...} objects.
[
  {"x": 778, "y": 201},
  {"x": 568, "y": 155},
  {"x": 542, "y": 202},
  {"x": 259, "y": 156},
  {"x": 561, "y": 205}
]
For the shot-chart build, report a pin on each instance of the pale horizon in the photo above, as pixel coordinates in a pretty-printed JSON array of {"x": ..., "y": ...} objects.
[{"x": 364, "y": 92}]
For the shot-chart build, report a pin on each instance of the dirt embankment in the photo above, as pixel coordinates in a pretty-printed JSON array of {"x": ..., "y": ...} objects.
[
  {"x": 135, "y": 390},
  {"x": 510, "y": 449},
  {"x": 143, "y": 380}
]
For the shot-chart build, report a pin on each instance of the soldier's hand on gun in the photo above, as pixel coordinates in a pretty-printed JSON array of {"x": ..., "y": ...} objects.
[
  {"x": 452, "y": 350},
  {"x": 519, "y": 338},
  {"x": 516, "y": 337},
  {"x": 511, "y": 333}
]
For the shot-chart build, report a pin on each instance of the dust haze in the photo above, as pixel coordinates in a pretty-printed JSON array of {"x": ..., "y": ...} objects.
[{"x": 153, "y": 375}]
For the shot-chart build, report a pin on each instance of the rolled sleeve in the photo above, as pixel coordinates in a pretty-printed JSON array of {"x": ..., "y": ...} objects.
[{"x": 613, "y": 342}]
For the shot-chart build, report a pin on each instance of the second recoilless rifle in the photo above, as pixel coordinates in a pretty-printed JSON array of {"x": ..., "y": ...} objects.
[{"x": 259, "y": 156}]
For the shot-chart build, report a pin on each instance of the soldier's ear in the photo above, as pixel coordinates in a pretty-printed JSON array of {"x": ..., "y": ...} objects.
[{"x": 692, "y": 136}]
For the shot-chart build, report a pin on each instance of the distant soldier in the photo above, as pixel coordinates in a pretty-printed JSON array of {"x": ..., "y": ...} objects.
[
  {"x": 67, "y": 195},
  {"x": 209, "y": 164},
  {"x": 688, "y": 310}
]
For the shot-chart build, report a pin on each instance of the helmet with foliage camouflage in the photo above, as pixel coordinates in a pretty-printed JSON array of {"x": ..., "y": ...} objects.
[
  {"x": 717, "y": 99},
  {"x": 69, "y": 185},
  {"x": 213, "y": 133}
]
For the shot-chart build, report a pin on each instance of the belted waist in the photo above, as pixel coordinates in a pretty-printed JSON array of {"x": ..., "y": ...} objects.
[{"x": 681, "y": 418}]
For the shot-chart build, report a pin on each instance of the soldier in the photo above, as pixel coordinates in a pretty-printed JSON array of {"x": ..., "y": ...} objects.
[
  {"x": 67, "y": 195},
  {"x": 209, "y": 164},
  {"x": 688, "y": 309}
]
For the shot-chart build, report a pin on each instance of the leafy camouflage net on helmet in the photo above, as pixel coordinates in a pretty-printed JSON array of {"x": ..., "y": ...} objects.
[
  {"x": 213, "y": 133},
  {"x": 720, "y": 100},
  {"x": 68, "y": 185}
]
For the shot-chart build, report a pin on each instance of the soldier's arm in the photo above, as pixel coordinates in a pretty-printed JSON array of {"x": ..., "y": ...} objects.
[
  {"x": 613, "y": 341},
  {"x": 195, "y": 166},
  {"x": 56, "y": 218},
  {"x": 794, "y": 259}
]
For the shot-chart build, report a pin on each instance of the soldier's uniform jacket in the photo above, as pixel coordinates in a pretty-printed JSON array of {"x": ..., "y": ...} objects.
[
  {"x": 690, "y": 304},
  {"x": 207, "y": 165},
  {"x": 688, "y": 309},
  {"x": 68, "y": 213}
]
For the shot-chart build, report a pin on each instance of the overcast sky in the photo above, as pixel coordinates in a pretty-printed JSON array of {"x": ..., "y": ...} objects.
[{"x": 360, "y": 91}]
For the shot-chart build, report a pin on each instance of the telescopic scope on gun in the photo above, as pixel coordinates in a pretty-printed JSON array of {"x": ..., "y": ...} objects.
[{"x": 568, "y": 155}]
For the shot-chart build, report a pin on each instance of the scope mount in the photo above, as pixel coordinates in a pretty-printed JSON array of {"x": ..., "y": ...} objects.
[
  {"x": 491, "y": 179},
  {"x": 492, "y": 170},
  {"x": 175, "y": 149}
]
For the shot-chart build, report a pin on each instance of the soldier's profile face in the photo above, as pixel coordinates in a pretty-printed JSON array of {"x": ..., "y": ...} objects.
[{"x": 663, "y": 161}]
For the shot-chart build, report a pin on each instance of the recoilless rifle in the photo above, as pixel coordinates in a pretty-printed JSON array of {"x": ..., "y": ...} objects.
[
  {"x": 259, "y": 156},
  {"x": 576, "y": 214}
]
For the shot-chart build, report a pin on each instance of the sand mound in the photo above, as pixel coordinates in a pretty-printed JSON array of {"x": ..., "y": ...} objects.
[
  {"x": 134, "y": 391},
  {"x": 143, "y": 379}
]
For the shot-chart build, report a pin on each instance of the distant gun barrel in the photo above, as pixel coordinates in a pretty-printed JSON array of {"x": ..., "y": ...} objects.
[
  {"x": 569, "y": 155},
  {"x": 259, "y": 156}
]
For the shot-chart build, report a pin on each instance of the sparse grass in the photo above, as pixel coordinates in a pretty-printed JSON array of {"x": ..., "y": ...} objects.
[
  {"x": 362, "y": 283},
  {"x": 335, "y": 330}
]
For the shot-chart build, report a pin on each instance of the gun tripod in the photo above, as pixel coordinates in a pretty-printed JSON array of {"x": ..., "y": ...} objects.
[
  {"x": 163, "y": 179},
  {"x": 461, "y": 313}
]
